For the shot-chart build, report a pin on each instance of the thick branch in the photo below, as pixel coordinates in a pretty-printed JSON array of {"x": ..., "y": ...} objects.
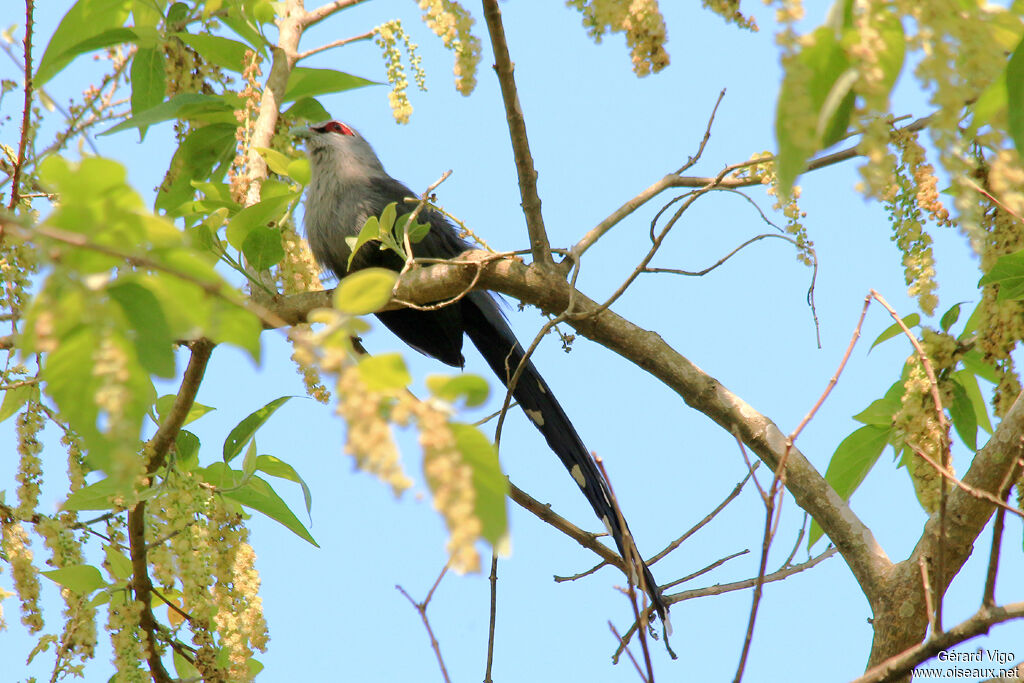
[
  {"x": 649, "y": 351},
  {"x": 901, "y": 664},
  {"x": 900, "y": 618}
]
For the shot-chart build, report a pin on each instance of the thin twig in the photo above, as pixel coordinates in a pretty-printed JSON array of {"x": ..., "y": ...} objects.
[
  {"x": 421, "y": 607},
  {"x": 989, "y": 595},
  {"x": 336, "y": 43},
  {"x": 791, "y": 439},
  {"x": 629, "y": 654},
  {"x": 26, "y": 111},
  {"x": 722, "y": 588},
  {"x": 616, "y": 217},
  {"x": 632, "y": 558},
  {"x": 707, "y": 518},
  {"x": 929, "y": 599},
  {"x": 700, "y": 572},
  {"x": 493, "y": 616}
]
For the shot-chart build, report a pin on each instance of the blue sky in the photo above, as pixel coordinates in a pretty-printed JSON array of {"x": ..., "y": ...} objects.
[{"x": 598, "y": 136}]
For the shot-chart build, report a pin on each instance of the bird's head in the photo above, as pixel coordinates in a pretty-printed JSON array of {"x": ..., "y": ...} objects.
[{"x": 336, "y": 145}]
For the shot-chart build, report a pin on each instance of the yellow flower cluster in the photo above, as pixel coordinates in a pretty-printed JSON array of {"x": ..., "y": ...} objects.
[
  {"x": 369, "y": 438},
  {"x": 15, "y": 545},
  {"x": 305, "y": 362},
  {"x": 110, "y": 367},
  {"x": 127, "y": 639},
  {"x": 642, "y": 22},
  {"x": 30, "y": 468},
  {"x": 762, "y": 169},
  {"x": 922, "y": 433},
  {"x": 730, "y": 11},
  {"x": 246, "y": 117},
  {"x": 239, "y": 609},
  {"x": 1006, "y": 177},
  {"x": 79, "y": 638},
  {"x": 451, "y": 482},
  {"x": 453, "y": 24},
  {"x": 388, "y": 36},
  {"x": 1001, "y": 323}
]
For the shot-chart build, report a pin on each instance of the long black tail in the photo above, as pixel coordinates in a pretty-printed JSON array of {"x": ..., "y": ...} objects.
[{"x": 492, "y": 336}]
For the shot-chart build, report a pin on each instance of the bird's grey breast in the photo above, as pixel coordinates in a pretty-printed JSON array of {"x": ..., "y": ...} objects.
[{"x": 335, "y": 209}]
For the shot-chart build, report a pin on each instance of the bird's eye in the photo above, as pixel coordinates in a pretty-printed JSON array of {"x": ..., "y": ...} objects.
[{"x": 337, "y": 127}]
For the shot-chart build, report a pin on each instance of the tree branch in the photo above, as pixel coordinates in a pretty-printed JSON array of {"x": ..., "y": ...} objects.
[
  {"x": 899, "y": 665},
  {"x": 504, "y": 68},
  {"x": 26, "y": 112},
  {"x": 649, "y": 352},
  {"x": 156, "y": 453}
]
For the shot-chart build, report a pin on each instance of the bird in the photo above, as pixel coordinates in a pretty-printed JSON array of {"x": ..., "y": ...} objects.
[{"x": 347, "y": 186}]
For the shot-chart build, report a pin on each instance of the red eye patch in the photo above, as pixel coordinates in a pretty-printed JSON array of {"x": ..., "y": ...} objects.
[{"x": 337, "y": 127}]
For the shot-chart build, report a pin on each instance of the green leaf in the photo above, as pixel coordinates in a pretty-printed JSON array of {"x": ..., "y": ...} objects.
[
  {"x": 86, "y": 20},
  {"x": 99, "y": 496},
  {"x": 185, "y": 669},
  {"x": 973, "y": 320},
  {"x": 834, "y": 117},
  {"x": 277, "y": 161},
  {"x": 118, "y": 564},
  {"x": 224, "y": 52},
  {"x": 950, "y": 317},
  {"x": 249, "y": 461},
  {"x": 184, "y": 106},
  {"x": 259, "y": 215},
  {"x": 309, "y": 109},
  {"x": 879, "y": 413},
  {"x": 895, "y": 329},
  {"x": 1015, "y": 97},
  {"x": 370, "y": 231},
  {"x": 262, "y": 248},
  {"x": 237, "y": 20},
  {"x": 365, "y": 291},
  {"x": 196, "y": 411},
  {"x": 70, "y": 382},
  {"x": 257, "y": 494},
  {"x": 1008, "y": 273},
  {"x": 384, "y": 372},
  {"x": 151, "y": 335},
  {"x": 306, "y": 82},
  {"x": 275, "y": 467},
  {"x": 969, "y": 382},
  {"x": 148, "y": 81},
  {"x": 489, "y": 484},
  {"x": 809, "y": 78},
  {"x": 187, "y": 446},
  {"x": 237, "y": 326},
  {"x": 205, "y": 154},
  {"x": 245, "y": 429},
  {"x": 15, "y": 398},
  {"x": 80, "y": 578},
  {"x": 965, "y": 420},
  {"x": 850, "y": 464},
  {"x": 146, "y": 13},
  {"x": 298, "y": 170},
  {"x": 975, "y": 363},
  {"x": 177, "y": 14},
  {"x": 473, "y": 389}
]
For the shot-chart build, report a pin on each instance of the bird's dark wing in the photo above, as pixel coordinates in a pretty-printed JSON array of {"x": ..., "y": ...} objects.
[{"x": 439, "y": 334}]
